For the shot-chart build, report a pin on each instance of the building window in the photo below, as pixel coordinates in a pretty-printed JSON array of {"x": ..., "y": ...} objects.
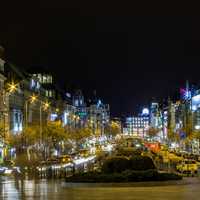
[
  {"x": 44, "y": 79},
  {"x": 76, "y": 102},
  {"x": 40, "y": 78},
  {"x": 50, "y": 93},
  {"x": 46, "y": 93},
  {"x": 49, "y": 79},
  {"x": 17, "y": 121}
]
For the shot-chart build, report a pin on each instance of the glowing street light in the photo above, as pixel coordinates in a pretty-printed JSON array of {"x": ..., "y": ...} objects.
[
  {"x": 12, "y": 87},
  {"x": 33, "y": 98},
  {"x": 46, "y": 105},
  {"x": 78, "y": 118},
  {"x": 197, "y": 127}
]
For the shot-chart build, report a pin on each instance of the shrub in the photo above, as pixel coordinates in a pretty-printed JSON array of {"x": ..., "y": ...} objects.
[
  {"x": 119, "y": 164},
  {"x": 141, "y": 163},
  {"x": 147, "y": 175},
  {"x": 168, "y": 177},
  {"x": 128, "y": 152},
  {"x": 115, "y": 177},
  {"x": 115, "y": 164},
  {"x": 125, "y": 176}
]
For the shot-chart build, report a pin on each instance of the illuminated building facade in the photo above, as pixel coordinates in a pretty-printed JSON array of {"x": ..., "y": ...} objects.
[
  {"x": 3, "y": 116},
  {"x": 80, "y": 117},
  {"x": 118, "y": 121},
  {"x": 154, "y": 115},
  {"x": 138, "y": 125},
  {"x": 47, "y": 82},
  {"x": 69, "y": 116},
  {"x": 98, "y": 115},
  {"x": 196, "y": 110}
]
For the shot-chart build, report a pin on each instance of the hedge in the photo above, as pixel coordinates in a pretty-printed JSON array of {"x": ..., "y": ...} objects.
[
  {"x": 126, "y": 176},
  {"x": 119, "y": 164}
]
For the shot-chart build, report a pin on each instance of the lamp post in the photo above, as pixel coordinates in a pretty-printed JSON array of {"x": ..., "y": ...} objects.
[
  {"x": 30, "y": 100},
  {"x": 43, "y": 106},
  {"x": 5, "y": 93}
]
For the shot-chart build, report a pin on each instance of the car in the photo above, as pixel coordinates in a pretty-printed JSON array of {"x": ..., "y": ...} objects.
[
  {"x": 187, "y": 166},
  {"x": 84, "y": 153},
  {"x": 9, "y": 163},
  {"x": 51, "y": 160},
  {"x": 3, "y": 169},
  {"x": 9, "y": 170},
  {"x": 174, "y": 158},
  {"x": 64, "y": 159}
]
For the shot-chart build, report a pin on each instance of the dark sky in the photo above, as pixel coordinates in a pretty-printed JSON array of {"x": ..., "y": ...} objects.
[{"x": 126, "y": 53}]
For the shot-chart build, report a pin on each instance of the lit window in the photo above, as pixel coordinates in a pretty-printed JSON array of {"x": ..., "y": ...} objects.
[
  {"x": 76, "y": 102},
  {"x": 44, "y": 79},
  {"x": 50, "y": 93},
  {"x": 81, "y": 102},
  {"x": 49, "y": 79},
  {"x": 40, "y": 78},
  {"x": 37, "y": 85},
  {"x": 46, "y": 93}
]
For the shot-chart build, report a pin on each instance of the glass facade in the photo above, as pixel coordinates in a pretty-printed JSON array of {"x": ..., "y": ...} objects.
[
  {"x": 135, "y": 125},
  {"x": 44, "y": 78},
  {"x": 17, "y": 121}
]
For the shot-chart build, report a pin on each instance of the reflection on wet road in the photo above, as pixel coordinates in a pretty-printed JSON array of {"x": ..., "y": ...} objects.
[{"x": 42, "y": 189}]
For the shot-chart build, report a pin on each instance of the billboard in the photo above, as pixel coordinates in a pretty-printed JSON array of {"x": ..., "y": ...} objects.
[{"x": 196, "y": 102}]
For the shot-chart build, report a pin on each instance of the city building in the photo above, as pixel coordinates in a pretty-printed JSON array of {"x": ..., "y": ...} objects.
[
  {"x": 98, "y": 116},
  {"x": 154, "y": 115},
  {"x": 138, "y": 125},
  {"x": 47, "y": 82},
  {"x": 118, "y": 121},
  {"x": 80, "y": 117},
  {"x": 196, "y": 110},
  {"x": 3, "y": 106}
]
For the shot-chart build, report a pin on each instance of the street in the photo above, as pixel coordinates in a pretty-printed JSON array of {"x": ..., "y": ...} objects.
[{"x": 43, "y": 189}]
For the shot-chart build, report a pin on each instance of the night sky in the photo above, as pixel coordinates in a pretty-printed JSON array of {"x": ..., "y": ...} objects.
[{"x": 127, "y": 54}]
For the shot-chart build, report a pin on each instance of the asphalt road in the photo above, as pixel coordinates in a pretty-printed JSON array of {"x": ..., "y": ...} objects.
[{"x": 31, "y": 189}]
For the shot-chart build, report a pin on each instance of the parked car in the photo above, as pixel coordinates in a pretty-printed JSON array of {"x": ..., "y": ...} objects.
[
  {"x": 51, "y": 160},
  {"x": 65, "y": 159},
  {"x": 187, "y": 166},
  {"x": 84, "y": 153},
  {"x": 9, "y": 170}
]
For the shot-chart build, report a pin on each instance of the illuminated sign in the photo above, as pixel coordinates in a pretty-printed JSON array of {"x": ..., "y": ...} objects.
[
  {"x": 99, "y": 103},
  {"x": 82, "y": 113},
  {"x": 34, "y": 84},
  {"x": 195, "y": 102},
  {"x": 185, "y": 94},
  {"x": 145, "y": 111},
  {"x": 68, "y": 95},
  {"x": 196, "y": 98},
  {"x": 53, "y": 116},
  {"x": 66, "y": 114},
  {"x": 197, "y": 127}
]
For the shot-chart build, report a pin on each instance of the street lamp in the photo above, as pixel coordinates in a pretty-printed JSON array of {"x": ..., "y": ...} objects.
[
  {"x": 32, "y": 100},
  {"x": 4, "y": 93},
  {"x": 43, "y": 106},
  {"x": 12, "y": 87},
  {"x": 197, "y": 127},
  {"x": 46, "y": 105}
]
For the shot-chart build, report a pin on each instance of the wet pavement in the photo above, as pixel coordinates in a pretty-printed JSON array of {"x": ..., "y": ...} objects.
[{"x": 12, "y": 189}]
